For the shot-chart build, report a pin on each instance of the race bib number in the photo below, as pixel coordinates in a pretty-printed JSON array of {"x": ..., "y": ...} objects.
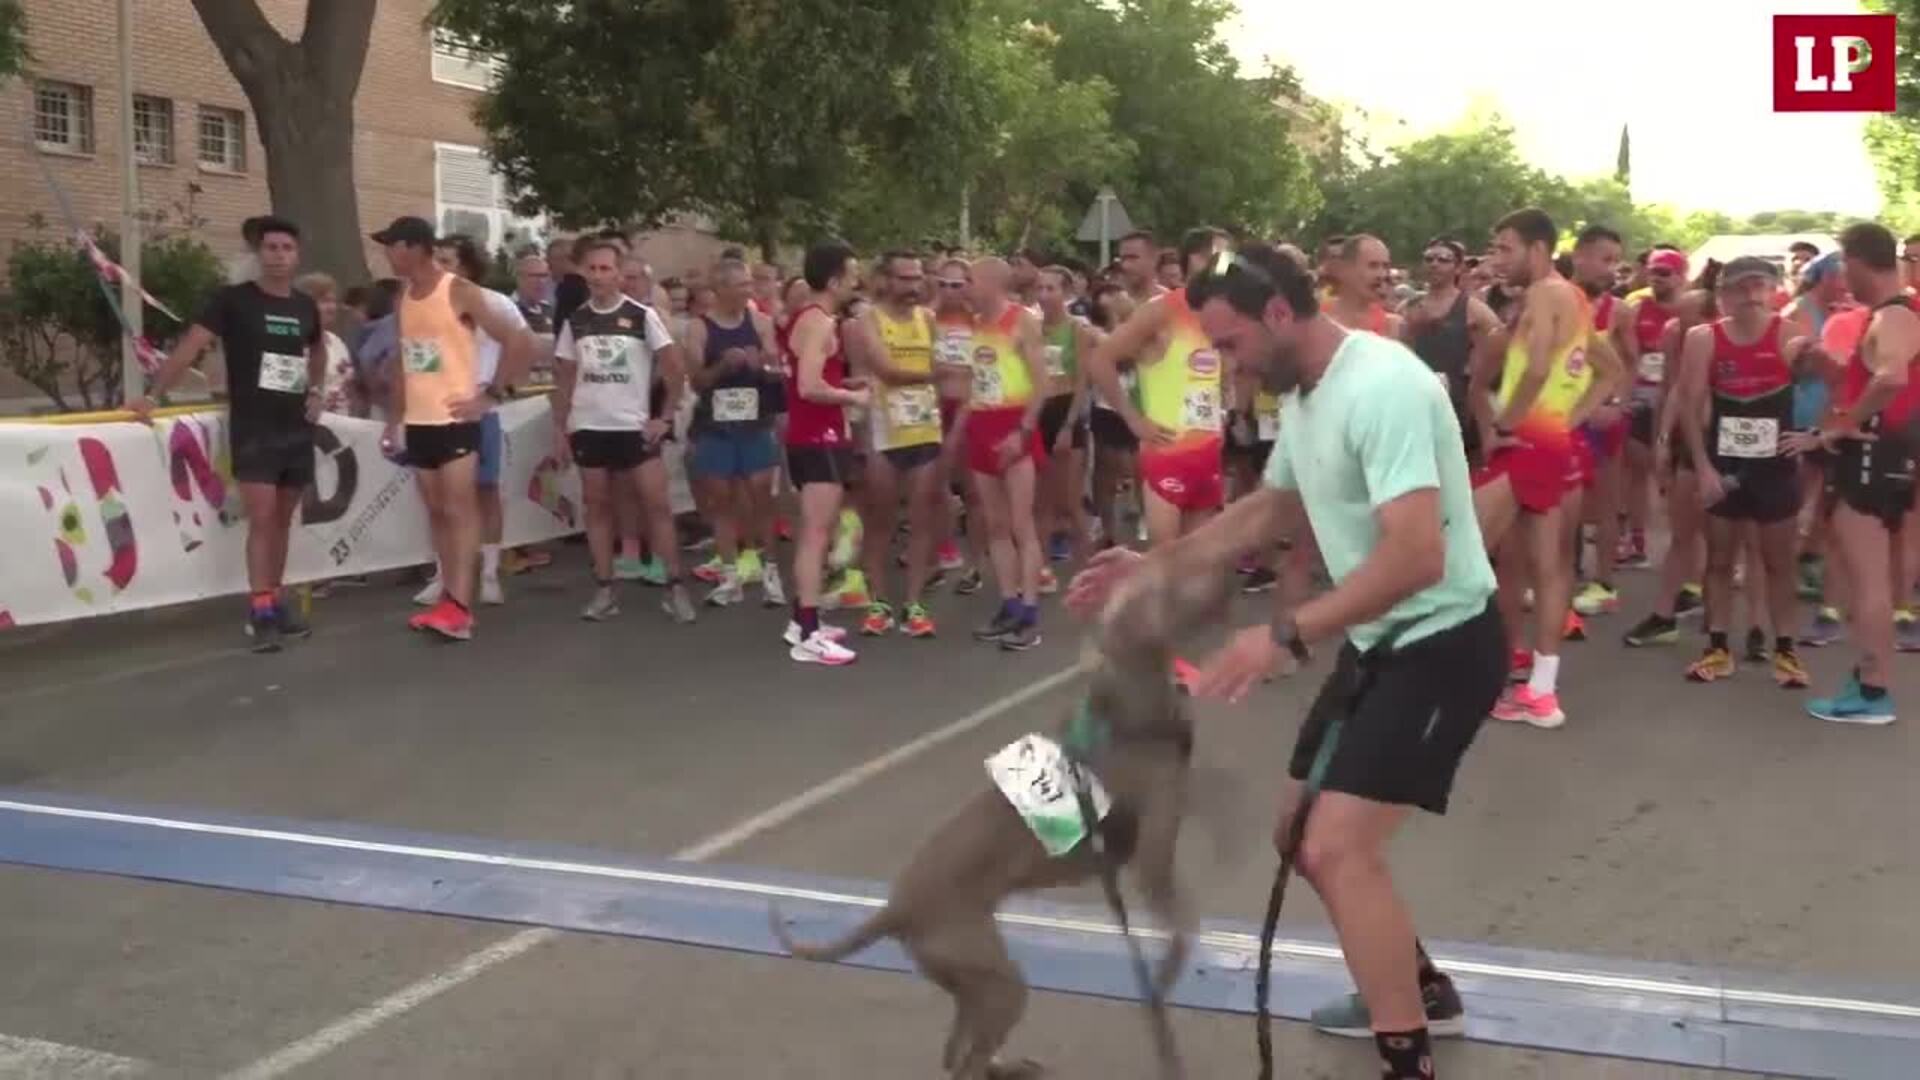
[
  {"x": 1056, "y": 362},
  {"x": 736, "y": 404},
  {"x": 1266, "y": 414},
  {"x": 1576, "y": 362},
  {"x": 955, "y": 350},
  {"x": 282, "y": 373},
  {"x": 912, "y": 406},
  {"x": 1201, "y": 411},
  {"x": 420, "y": 355},
  {"x": 1653, "y": 367},
  {"x": 1040, "y": 782},
  {"x": 987, "y": 388},
  {"x": 1749, "y": 437}
]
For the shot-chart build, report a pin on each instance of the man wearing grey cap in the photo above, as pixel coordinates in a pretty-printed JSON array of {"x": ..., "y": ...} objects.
[{"x": 1742, "y": 367}]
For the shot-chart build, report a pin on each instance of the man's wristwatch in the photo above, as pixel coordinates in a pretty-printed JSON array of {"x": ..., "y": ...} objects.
[{"x": 1286, "y": 634}]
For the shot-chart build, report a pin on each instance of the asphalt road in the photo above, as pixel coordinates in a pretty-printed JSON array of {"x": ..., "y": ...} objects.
[{"x": 1667, "y": 822}]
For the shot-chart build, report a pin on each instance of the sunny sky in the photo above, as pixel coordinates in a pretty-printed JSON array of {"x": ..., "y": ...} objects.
[{"x": 1692, "y": 77}]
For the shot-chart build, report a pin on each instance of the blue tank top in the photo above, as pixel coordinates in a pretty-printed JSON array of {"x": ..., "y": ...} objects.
[
  {"x": 1810, "y": 391},
  {"x": 738, "y": 400}
]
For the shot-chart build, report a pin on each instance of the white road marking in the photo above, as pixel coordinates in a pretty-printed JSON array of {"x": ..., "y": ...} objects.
[
  {"x": 359, "y": 1022},
  {"x": 37, "y": 1059}
]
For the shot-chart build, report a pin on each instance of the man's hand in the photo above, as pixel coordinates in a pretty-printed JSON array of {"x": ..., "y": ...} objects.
[
  {"x": 1607, "y": 417},
  {"x": 1063, "y": 442},
  {"x": 467, "y": 410},
  {"x": 393, "y": 442},
  {"x": 1712, "y": 487},
  {"x": 1093, "y": 586},
  {"x": 1249, "y": 656},
  {"x": 656, "y": 430},
  {"x": 1009, "y": 449},
  {"x": 314, "y": 406},
  {"x": 1795, "y": 443},
  {"x": 562, "y": 447},
  {"x": 142, "y": 409},
  {"x": 1150, "y": 433}
]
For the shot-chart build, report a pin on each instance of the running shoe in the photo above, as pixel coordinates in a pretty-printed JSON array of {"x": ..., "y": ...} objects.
[
  {"x": 431, "y": 595},
  {"x": 918, "y": 623},
  {"x": 1689, "y": 602},
  {"x": 848, "y": 593},
  {"x": 821, "y": 649},
  {"x": 1575, "y": 628},
  {"x": 653, "y": 572},
  {"x": 970, "y": 582},
  {"x": 728, "y": 593},
  {"x": 711, "y": 571},
  {"x": 831, "y": 633},
  {"x": 263, "y": 627},
  {"x": 491, "y": 593},
  {"x": 1022, "y": 637},
  {"x": 1349, "y": 1018},
  {"x": 1852, "y": 706},
  {"x": 1520, "y": 665},
  {"x": 772, "y": 592},
  {"x": 602, "y": 607},
  {"x": 629, "y": 569},
  {"x": 1813, "y": 579},
  {"x": 749, "y": 566},
  {"x": 1788, "y": 672},
  {"x": 1906, "y": 631},
  {"x": 1653, "y": 630},
  {"x": 1596, "y": 599},
  {"x": 879, "y": 619},
  {"x": 1757, "y": 651},
  {"x": 1715, "y": 665},
  {"x": 1004, "y": 622},
  {"x": 1048, "y": 583},
  {"x": 291, "y": 625},
  {"x": 1059, "y": 548},
  {"x": 846, "y": 540},
  {"x": 947, "y": 557},
  {"x": 1826, "y": 629},
  {"x": 449, "y": 620},
  {"x": 1520, "y": 705},
  {"x": 678, "y": 604}
]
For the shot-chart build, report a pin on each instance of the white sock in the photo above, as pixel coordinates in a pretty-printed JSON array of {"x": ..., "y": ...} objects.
[
  {"x": 490, "y": 560},
  {"x": 1546, "y": 673}
]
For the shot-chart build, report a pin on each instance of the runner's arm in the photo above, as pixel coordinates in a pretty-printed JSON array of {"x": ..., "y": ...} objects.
[
  {"x": 1085, "y": 340},
  {"x": 1033, "y": 353},
  {"x": 1482, "y": 365},
  {"x": 1482, "y": 323},
  {"x": 1549, "y": 308},
  {"x": 878, "y": 362},
  {"x": 566, "y": 370},
  {"x": 1129, "y": 339},
  {"x": 1607, "y": 383},
  {"x": 810, "y": 349},
  {"x": 1625, "y": 342},
  {"x": 184, "y": 355},
  {"x": 695, "y": 342},
  {"x": 1696, "y": 364},
  {"x": 517, "y": 343},
  {"x": 1667, "y": 411},
  {"x": 1891, "y": 341}
]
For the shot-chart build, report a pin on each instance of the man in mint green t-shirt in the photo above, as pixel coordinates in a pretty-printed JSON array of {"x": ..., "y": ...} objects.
[{"x": 1369, "y": 457}]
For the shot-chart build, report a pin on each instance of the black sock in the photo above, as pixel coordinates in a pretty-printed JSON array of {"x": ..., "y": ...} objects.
[
  {"x": 1405, "y": 1055},
  {"x": 1783, "y": 645},
  {"x": 1807, "y": 557},
  {"x": 1716, "y": 639},
  {"x": 1429, "y": 974},
  {"x": 1872, "y": 693},
  {"x": 808, "y": 618}
]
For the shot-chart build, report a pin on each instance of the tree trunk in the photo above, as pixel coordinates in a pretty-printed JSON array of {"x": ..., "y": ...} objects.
[{"x": 302, "y": 97}]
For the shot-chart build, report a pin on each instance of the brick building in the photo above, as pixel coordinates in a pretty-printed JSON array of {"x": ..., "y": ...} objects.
[{"x": 416, "y": 147}]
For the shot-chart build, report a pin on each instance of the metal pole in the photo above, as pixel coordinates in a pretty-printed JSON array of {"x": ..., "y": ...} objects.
[
  {"x": 132, "y": 383},
  {"x": 1106, "y": 228}
]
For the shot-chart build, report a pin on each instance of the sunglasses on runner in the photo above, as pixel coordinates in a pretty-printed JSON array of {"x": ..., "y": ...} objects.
[
  {"x": 1440, "y": 258},
  {"x": 1226, "y": 262},
  {"x": 953, "y": 284}
]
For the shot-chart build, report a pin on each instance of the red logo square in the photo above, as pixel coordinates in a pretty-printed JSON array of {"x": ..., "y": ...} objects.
[{"x": 1833, "y": 63}]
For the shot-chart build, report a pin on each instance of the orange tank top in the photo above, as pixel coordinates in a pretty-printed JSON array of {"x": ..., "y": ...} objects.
[{"x": 437, "y": 355}]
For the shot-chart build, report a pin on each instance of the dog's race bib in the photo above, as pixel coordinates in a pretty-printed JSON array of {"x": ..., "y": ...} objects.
[
  {"x": 1749, "y": 437},
  {"x": 282, "y": 373},
  {"x": 736, "y": 404},
  {"x": 1039, "y": 781}
]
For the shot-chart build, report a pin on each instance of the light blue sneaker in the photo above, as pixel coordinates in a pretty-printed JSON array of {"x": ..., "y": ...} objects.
[
  {"x": 1906, "y": 632},
  {"x": 654, "y": 571},
  {"x": 1348, "y": 1017},
  {"x": 625, "y": 569},
  {"x": 1851, "y": 706}
]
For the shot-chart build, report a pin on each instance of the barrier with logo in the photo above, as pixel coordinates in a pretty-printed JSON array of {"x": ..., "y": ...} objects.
[{"x": 107, "y": 515}]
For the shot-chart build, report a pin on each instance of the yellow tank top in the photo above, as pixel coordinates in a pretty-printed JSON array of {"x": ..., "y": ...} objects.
[
  {"x": 1000, "y": 376},
  {"x": 907, "y": 415},
  {"x": 1568, "y": 376},
  {"x": 436, "y": 355},
  {"x": 1182, "y": 389}
]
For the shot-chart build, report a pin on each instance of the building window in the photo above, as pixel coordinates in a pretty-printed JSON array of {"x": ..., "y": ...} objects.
[
  {"x": 470, "y": 197},
  {"x": 63, "y": 117},
  {"x": 223, "y": 139},
  {"x": 152, "y": 130},
  {"x": 457, "y": 63}
]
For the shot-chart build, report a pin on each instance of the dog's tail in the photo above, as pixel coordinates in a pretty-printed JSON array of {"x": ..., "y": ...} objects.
[{"x": 878, "y": 925}]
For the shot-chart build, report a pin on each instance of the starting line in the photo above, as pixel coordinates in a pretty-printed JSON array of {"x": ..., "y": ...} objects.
[{"x": 1517, "y": 997}]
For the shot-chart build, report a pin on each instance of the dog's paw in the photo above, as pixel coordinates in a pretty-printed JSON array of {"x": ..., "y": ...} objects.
[{"x": 1024, "y": 1069}]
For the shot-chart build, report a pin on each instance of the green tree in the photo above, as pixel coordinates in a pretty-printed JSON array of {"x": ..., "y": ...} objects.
[
  {"x": 1623, "y": 160},
  {"x": 14, "y": 54},
  {"x": 1893, "y": 140},
  {"x": 302, "y": 95}
]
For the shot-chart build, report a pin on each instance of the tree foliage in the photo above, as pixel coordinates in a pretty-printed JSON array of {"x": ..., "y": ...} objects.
[
  {"x": 14, "y": 53},
  {"x": 1893, "y": 140}
]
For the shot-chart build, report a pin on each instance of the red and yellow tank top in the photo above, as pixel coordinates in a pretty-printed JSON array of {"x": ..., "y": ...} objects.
[
  {"x": 1182, "y": 390},
  {"x": 437, "y": 355},
  {"x": 1568, "y": 377},
  {"x": 1000, "y": 376}
]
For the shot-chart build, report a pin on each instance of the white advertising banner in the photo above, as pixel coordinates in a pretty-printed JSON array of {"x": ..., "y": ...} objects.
[{"x": 110, "y": 517}]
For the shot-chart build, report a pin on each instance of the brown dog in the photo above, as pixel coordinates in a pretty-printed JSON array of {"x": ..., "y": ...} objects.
[{"x": 942, "y": 905}]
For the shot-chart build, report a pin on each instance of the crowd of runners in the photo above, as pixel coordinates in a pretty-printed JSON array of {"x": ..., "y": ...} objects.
[{"x": 871, "y": 430}]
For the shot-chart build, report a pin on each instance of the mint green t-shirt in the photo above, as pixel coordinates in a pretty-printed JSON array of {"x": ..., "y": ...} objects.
[{"x": 1377, "y": 426}]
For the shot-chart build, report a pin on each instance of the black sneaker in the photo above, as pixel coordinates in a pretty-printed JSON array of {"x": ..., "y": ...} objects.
[
  {"x": 1653, "y": 630},
  {"x": 1002, "y": 625},
  {"x": 1259, "y": 581},
  {"x": 1348, "y": 1017},
  {"x": 1687, "y": 603},
  {"x": 291, "y": 625},
  {"x": 1758, "y": 651},
  {"x": 1020, "y": 638},
  {"x": 970, "y": 582},
  {"x": 264, "y": 628}
]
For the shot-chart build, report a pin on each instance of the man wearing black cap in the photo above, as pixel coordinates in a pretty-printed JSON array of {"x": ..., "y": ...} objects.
[
  {"x": 441, "y": 399},
  {"x": 276, "y": 362}
]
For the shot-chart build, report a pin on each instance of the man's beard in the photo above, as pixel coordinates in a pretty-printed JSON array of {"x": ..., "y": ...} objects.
[{"x": 1280, "y": 368}]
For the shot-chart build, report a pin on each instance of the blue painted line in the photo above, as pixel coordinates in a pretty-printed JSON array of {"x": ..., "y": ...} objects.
[{"x": 1542, "y": 1000}]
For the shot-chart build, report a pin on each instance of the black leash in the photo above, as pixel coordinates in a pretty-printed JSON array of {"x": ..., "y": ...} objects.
[{"x": 1164, "y": 1044}]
